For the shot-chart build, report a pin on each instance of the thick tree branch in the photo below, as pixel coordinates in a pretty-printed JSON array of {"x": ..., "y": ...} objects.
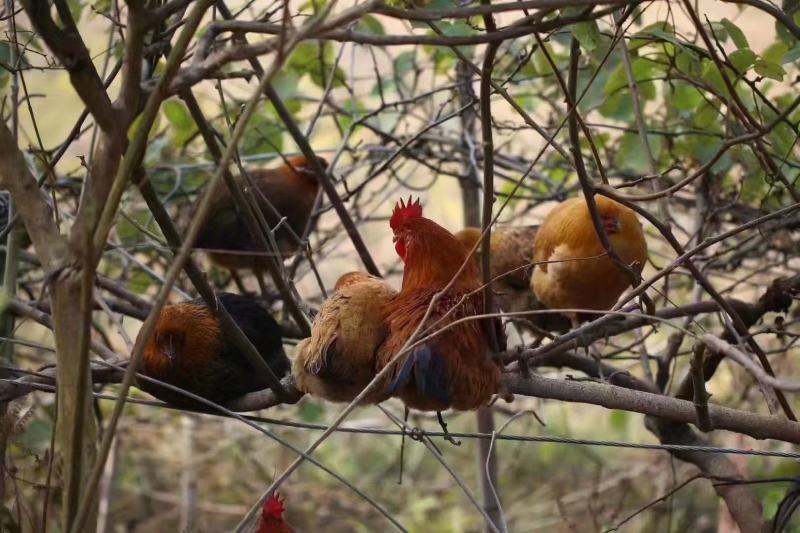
[
  {"x": 612, "y": 397},
  {"x": 30, "y": 201}
]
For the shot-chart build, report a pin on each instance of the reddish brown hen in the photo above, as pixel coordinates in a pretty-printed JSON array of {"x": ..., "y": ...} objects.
[
  {"x": 290, "y": 188},
  {"x": 189, "y": 351}
]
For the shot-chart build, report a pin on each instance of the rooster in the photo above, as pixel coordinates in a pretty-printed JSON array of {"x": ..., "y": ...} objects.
[
  {"x": 272, "y": 517},
  {"x": 511, "y": 267},
  {"x": 290, "y": 188},
  {"x": 338, "y": 360},
  {"x": 573, "y": 270},
  {"x": 452, "y": 368},
  {"x": 189, "y": 351}
]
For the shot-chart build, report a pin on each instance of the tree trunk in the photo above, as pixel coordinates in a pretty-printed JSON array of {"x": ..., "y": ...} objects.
[{"x": 76, "y": 430}]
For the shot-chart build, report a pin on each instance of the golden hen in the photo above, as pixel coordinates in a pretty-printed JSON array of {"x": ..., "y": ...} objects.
[
  {"x": 338, "y": 360},
  {"x": 573, "y": 270}
]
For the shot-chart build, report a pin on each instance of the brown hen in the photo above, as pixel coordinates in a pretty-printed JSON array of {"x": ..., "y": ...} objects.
[{"x": 338, "y": 360}]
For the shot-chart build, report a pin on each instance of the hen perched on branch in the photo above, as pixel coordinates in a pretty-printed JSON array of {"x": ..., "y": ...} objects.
[
  {"x": 286, "y": 191},
  {"x": 573, "y": 269},
  {"x": 189, "y": 351},
  {"x": 447, "y": 364},
  {"x": 338, "y": 360},
  {"x": 511, "y": 267}
]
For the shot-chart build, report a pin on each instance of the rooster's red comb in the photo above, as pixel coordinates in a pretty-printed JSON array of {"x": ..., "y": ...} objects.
[
  {"x": 404, "y": 211},
  {"x": 274, "y": 506}
]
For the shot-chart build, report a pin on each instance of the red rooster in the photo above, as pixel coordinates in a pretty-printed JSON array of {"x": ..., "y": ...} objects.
[
  {"x": 453, "y": 368},
  {"x": 272, "y": 517}
]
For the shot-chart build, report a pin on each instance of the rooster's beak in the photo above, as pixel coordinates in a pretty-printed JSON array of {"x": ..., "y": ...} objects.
[{"x": 394, "y": 238}]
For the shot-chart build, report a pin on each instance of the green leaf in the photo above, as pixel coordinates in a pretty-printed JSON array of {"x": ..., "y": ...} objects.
[
  {"x": 704, "y": 148},
  {"x": 309, "y": 58},
  {"x": 36, "y": 434},
  {"x": 6, "y": 51},
  {"x": 177, "y": 114},
  {"x": 593, "y": 96},
  {"x": 351, "y": 110},
  {"x": 774, "y": 52},
  {"x": 618, "y": 107},
  {"x": 102, "y": 6},
  {"x": 632, "y": 156},
  {"x": 619, "y": 421},
  {"x": 315, "y": 6},
  {"x": 687, "y": 61},
  {"x": 182, "y": 123},
  {"x": 784, "y": 140},
  {"x": 784, "y": 34},
  {"x": 128, "y": 232},
  {"x": 792, "y": 55},
  {"x": 685, "y": 96},
  {"x": 285, "y": 83},
  {"x": 5, "y": 56},
  {"x": 444, "y": 59},
  {"x": 736, "y": 34},
  {"x": 404, "y": 63},
  {"x": 75, "y": 9},
  {"x": 135, "y": 125},
  {"x": 719, "y": 32},
  {"x": 305, "y": 56},
  {"x": 658, "y": 30},
  {"x": 264, "y": 133},
  {"x": 669, "y": 37},
  {"x": 311, "y": 412},
  {"x": 768, "y": 69},
  {"x": 587, "y": 33},
  {"x": 742, "y": 59},
  {"x": 706, "y": 117},
  {"x": 140, "y": 281},
  {"x": 321, "y": 77},
  {"x": 370, "y": 25},
  {"x": 642, "y": 71},
  {"x": 451, "y": 29},
  {"x": 712, "y": 75}
]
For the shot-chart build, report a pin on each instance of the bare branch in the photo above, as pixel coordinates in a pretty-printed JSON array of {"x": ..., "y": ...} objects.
[
  {"x": 68, "y": 47},
  {"x": 31, "y": 202},
  {"x": 612, "y": 397}
]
